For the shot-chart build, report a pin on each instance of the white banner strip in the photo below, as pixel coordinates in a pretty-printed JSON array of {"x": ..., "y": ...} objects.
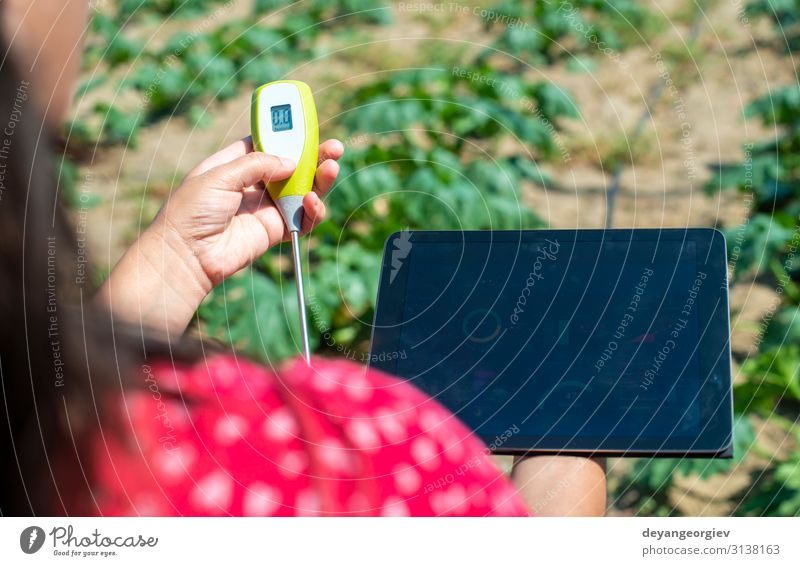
[{"x": 399, "y": 542}]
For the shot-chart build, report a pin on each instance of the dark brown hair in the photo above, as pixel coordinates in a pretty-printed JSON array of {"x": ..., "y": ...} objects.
[{"x": 59, "y": 353}]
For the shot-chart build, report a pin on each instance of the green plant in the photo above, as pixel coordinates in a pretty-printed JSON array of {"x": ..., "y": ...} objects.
[
  {"x": 774, "y": 380},
  {"x": 315, "y": 11},
  {"x": 211, "y": 61},
  {"x": 766, "y": 247},
  {"x": 646, "y": 487},
  {"x": 108, "y": 43},
  {"x": 541, "y": 32},
  {"x": 785, "y": 16},
  {"x": 774, "y": 491},
  {"x": 126, "y": 9}
]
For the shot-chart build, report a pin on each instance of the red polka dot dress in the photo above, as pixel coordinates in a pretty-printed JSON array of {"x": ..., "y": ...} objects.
[{"x": 229, "y": 437}]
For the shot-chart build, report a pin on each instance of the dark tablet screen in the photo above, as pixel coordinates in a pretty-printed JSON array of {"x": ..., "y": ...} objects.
[{"x": 596, "y": 340}]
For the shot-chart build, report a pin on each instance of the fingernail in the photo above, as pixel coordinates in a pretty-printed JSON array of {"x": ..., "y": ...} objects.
[{"x": 288, "y": 163}]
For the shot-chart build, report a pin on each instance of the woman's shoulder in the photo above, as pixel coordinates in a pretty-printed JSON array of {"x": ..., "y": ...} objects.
[{"x": 333, "y": 437}]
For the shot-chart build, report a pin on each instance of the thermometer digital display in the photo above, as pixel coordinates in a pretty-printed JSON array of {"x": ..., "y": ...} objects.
[
  {"x": 281, "y": 117},
  {"x": 283, "y": 122}
]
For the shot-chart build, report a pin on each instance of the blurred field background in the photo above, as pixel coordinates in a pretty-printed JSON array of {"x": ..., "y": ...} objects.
[{"x": 500, "y": 115}]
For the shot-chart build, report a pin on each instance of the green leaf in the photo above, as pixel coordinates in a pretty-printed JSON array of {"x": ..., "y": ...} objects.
[
  {"x": 656, "y": 475},
  {"x": 772, "y": 377},
  {"x": 755, "y": 243},
  {"x": 118, "y": 126},
  {"x": 554, "y": 101},
  {"x": 784, "y": 329},
  {"x": 253, "y": 314}
]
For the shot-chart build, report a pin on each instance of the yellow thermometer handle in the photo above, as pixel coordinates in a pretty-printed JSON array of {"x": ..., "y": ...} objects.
[{"x": 283, "y": 122}]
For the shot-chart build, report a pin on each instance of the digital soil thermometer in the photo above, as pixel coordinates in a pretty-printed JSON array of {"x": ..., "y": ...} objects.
[{"x": 283, "y": 122}]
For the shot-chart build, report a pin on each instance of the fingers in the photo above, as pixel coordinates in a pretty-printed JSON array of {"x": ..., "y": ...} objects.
[
  {"x": 330, "y": 149},
  {"x": 314, "y": 211},
  {"x": 329, "y": 152},
  {"x": 326, "y": 175},
  {"x": 250, "y": 169},
  {"x": 236, "y": 149}
]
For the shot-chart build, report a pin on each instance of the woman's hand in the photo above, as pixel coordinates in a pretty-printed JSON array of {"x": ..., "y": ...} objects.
[
  {"x": 215, "y": 223},
  {"x": 225, "y": 218},
  {"x": 561, "y": 486}
]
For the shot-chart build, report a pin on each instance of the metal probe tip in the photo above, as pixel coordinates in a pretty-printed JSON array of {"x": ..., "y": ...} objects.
[{"x": 301, "y": 297}]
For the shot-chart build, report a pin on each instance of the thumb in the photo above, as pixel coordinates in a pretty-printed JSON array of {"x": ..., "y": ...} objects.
[{"x": 249, "y": 170}]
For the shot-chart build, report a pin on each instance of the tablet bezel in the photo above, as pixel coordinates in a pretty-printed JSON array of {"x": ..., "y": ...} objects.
[{"x": 714, "y": 349}]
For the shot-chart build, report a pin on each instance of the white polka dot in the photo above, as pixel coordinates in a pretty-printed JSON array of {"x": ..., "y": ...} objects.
[
  {"x": 358, "y": 388},
  {"x": 458, "y": 498},
  {"x": 280, "y": 425},
  {"x": 326, "y": 380},
  {"x": 406, "y": 479},
  {"x": 362, "y": 433},
  {"x": 258, "y": 387},
  {"x": 429, "y": 420},
  {"x": 179, "y": 415},
  {"x": 230, "y": 428},
  {"x": 147, "y": 505},
  {"x": 406, "y": 416},
  {"x": 307, "y": 504},
  {"x": 390, "y": 426},
  {"x": 213, "y": 493},
  {"x": 335, "y": 456},
  {"x": 293, "y": 463},
  {"x": 423, "y": 450},
  {"x": 174, "y": 464},
  {"x": 477, "y": 495},
  {"x": 170, "y": 379},
  {"x": 438, "y": 502},
  {"x": 225, "y": 374},
  {"x": 454, "y": 449},
  {"x": 395, "y": 507},
  {"x": 403, "y": 405},
  {"x": 451, "y": 501},
  {"x": 260, "y": 500}
]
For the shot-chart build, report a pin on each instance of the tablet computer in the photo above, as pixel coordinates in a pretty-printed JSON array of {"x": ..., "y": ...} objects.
[{"x": 610, "y": 342}]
